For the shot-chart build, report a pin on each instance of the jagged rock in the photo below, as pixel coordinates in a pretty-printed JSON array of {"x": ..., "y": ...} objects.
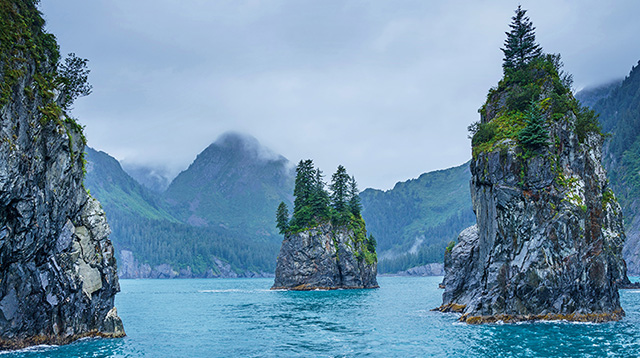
[
  {"x": 549, "y": 232},
  {"x": 324, "y": 257},
  {"x": 57, "y": 269}
]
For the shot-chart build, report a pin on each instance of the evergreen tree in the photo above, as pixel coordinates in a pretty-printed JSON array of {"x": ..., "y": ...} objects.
[
  {"x": 534, "y": 135},
  {"x": 339, "y": 189},
  {"x": 319, "y": 197},
  {"x": 303, "y": 190},
  {"x": 282, "y": 218},
  {"x": 354, "y": 198},
  {"x": 520, "y": 47}
]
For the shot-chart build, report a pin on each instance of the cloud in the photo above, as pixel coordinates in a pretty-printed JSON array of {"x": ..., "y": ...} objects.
[{"x": 385, "y": 88}]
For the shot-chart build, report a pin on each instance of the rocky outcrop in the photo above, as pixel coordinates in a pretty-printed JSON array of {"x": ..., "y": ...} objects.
[
  {"x": 57, "y": 269},
  {"x": 131, "y": 268},
  {"x": 549, "y": 232},
  {"x": 325, "y": 257}
]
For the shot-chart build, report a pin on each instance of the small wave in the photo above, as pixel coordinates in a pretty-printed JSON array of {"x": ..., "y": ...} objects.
[
  {"x": 38, "y": 348},
  {"x": 234, "y": 290}
]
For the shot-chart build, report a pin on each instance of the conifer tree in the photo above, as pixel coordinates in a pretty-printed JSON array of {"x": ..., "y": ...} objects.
[
  {"x": 354, "y": 198},
  {"x": 339, "y": 189},
  {"x": 319, "y": 197},
  {"x": 303, "y": 190},
  {"x": 282, "y": 218},
  {"x": 520, "y": 47},
  {"x": 534, "y": 135}
]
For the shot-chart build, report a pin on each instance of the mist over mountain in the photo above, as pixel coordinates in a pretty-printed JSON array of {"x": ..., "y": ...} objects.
[
  {"x": 590, "y": 95},
  {"x": 234, "y": 183},
  {"x": 154, "y": 179},
  {"x": 156, "y": 235}
]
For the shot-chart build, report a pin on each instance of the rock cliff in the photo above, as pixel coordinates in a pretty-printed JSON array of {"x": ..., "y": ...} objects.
[
  {"x": 57, "y": 269},
  {"x": 325, "y": 257},
  {"x": 549, "y": 232}
]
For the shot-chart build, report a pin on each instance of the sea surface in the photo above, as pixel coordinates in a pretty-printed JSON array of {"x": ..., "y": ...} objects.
[{"x": 243, "y": 318}]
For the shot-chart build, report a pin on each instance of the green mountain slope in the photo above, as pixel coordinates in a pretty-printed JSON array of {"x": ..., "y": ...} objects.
[
  {"x": 118, "y": 192},
  {"x": 235, "y": 183},
  {"x": 414, "y": 221},
  {"x": 620, "y": 117},
  {"x": 147, "y": 234}
]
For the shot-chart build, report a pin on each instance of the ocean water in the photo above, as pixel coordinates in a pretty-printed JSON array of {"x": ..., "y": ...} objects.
[{"x": 243, "y": 318}]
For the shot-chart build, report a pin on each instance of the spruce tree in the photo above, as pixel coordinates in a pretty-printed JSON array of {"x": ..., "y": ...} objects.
[
  {"x": 303, "y": 190},
  {"x": 354, "y": 198},
  {"x": 319, "y": 197},
  {"x": 520, "y": 47},
  {"x": 534, "y": 135},
  {"x": 339, "y": 189},
  {"x": 282, "y": 218}
]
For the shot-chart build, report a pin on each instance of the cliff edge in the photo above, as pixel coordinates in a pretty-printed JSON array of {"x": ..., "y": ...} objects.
[{"x": 57, "y": 269}]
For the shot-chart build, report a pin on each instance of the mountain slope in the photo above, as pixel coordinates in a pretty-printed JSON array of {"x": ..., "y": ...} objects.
[
  {"x": 620, "y": 117},
  {"x": 234, "y": 183},
  {"x": 151, "y": 242},
  {"x": 414, "y": 221},
  {"x": 118, "y": 192}
]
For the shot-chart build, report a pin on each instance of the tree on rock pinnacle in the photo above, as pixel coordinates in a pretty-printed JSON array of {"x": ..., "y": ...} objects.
[{"x": 520, "y": 47}]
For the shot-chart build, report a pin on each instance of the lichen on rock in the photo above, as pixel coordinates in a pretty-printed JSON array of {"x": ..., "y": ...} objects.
[
  {"x": 549, "y": 234},
  {"x": 324, "y": 257}
]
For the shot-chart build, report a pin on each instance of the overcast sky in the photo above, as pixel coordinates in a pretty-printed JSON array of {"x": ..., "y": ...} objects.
[{"x": 386, "y": 88}]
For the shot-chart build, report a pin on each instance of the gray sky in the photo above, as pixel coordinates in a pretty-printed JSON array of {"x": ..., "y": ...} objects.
[{"x": 386, "y": 88}]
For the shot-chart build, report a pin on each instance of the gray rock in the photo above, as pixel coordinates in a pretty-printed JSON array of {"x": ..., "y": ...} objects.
[
  {"x": 432, "y": 269},
  {"x": 547, "y": 245},
  {"x": 325, "y": 257},
  {"x": 57, "y": 271}
]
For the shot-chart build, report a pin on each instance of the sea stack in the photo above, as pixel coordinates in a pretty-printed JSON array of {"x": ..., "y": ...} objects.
[
  {"x": 325, "y": 244},
  {"x": 549, "y": 234},
  {"x": 57, "y": 270}
]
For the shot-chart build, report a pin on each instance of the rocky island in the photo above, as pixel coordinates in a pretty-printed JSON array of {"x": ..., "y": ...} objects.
[
  {"x": 325, "y": 244},
  {"x": 549, "y": 233},
  {"x": 57, "y": 269}
]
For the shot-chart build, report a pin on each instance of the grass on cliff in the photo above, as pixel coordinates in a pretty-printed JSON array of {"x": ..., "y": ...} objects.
[{"x": 540, "y": 83}]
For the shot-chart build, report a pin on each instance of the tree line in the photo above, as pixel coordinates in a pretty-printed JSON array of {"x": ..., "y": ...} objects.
[{"x": 314, "y": 204}]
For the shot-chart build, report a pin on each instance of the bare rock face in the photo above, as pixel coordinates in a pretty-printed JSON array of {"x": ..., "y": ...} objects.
[
  {"x": 57, "y": 269},
  {"x": 325, "y": 257},
  {"x": 549, "y": 232}
]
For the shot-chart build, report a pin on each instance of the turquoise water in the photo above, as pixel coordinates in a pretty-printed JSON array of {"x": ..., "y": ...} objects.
[{"x": 242, "y": 318}]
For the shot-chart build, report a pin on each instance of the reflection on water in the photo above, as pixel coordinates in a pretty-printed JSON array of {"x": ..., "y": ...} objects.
[{"x": 243, "y": 318}]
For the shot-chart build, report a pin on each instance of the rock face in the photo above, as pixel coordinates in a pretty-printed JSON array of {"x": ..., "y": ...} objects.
[
  {"x": 549, "y": 232},
  {"x": 324, "y": 257},
  {"x": 57, "y": 269}
]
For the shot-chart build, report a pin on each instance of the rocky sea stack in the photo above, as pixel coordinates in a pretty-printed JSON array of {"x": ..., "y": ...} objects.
[
  {"x": 325, "y": 257},
  {"x": 57, "y": 270},
  {"x": 325, "y": 244},
  {"x": 549, "y": 232}
]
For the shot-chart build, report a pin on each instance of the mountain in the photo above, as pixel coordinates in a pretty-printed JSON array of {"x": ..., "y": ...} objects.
[
  {"x": 227, "y": 199},
  {"x": 620, "y": 118},
  {"x": 154, "y": 179},
  {"x": 118, "y": 192},
  {"x": 235, "y": 183},
  {"x": 414, "y": 221},
  {"x": 151, "y": 241},
  {"x": 591, "y": 95}
]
